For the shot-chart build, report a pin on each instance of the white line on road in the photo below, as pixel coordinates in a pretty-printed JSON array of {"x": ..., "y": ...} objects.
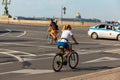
[
  {"x": 22, "y": 34},
  {"x": 47, "y": 47},
  {"x": 49, "y": 54},
  {"x": 6, "y": 33},
  {"x": 102, "y": 60},
  {"x": 17, "y": 57},
  {"x": 83, "y": 51},
  {"x": 28, "y": 71},
  {"x": 14, "y": 51},
  {"x": 31, "y": 45},
  {"x": 6, "y": 63},
  {"x": 26, "y": 59}
]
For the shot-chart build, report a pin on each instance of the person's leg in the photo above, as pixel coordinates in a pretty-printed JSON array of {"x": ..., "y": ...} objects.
[
  {"x": 61, "y": 50},
  {"x": 67, "y": 49},
  {"x": 54, "y": 35},
  {"x": 60, "y": 47},
  {"x": 67, "y": 52}
]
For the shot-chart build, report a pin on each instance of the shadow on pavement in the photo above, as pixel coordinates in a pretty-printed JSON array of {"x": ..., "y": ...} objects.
[
  {"x": 93, "y": 68},
  {"x": 26, "y": 64},
  {"x": 14, "y": 40},
  {"x": 13, "y": 31}
]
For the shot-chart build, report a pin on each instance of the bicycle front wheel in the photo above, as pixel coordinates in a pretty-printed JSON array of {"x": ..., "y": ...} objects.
[
  {"x": 50, "y": 39},
  {"x": 57, "y": 62},
  {"x": 73, "y": 60}
]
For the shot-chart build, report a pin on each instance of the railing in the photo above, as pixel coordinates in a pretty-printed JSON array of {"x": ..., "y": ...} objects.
[{"x": 45, "y": 23}]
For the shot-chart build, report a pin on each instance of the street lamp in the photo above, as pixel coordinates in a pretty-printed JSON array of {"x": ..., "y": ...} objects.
[
  {"x": 63, "y": 11},
  {"x": 6, "y": 3}
]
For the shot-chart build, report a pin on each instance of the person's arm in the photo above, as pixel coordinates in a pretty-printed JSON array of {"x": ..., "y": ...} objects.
[
  {"x": 49, "y": 28},
  {"x": 73, "y": 38}
]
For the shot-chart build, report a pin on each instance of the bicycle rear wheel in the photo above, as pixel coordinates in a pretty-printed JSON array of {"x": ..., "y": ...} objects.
[
  {"x": 73, "y": 60},
  {"x": 57, "y": 62}
]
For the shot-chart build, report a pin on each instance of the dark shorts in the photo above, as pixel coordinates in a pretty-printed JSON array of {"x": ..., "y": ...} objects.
[{"x": 64, "y": 45}]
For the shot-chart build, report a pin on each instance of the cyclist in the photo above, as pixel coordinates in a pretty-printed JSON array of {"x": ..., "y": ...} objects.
[
  {"x": 53, "y": 29},
  {"x": 63, "y": 41}
]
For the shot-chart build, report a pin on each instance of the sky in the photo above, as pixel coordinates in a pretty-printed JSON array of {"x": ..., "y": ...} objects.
[{"x": 100, "y": 9}]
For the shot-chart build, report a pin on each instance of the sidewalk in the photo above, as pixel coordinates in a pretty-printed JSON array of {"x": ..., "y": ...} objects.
[{"x": 111, "y": 74}]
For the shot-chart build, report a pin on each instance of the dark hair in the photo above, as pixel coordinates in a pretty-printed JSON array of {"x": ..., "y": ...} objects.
[
  {"x": 51, "y": 20},
  {"x": 68, "y": 27}
]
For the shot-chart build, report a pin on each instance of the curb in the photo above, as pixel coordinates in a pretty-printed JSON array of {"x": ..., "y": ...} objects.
[{"x": 111, "y": 74}]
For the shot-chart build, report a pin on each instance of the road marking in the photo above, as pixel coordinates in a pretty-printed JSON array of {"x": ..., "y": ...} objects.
[
  {"x": 102, "y": 60},
  {"x": 17, "y": 57},
  {"x": 9, "y": 30},
  {"x": 83, "y": 51},
  {"x": 113, "y": 51},
  {"x": 6, "y": 63},
  {"x": 48, "y": 47},
  {"x": 13, "y": 53},
  {"x": 31, "y": 45},
  {"x": 22, "y": 34},
  {"x": 114, "y": 44},
  {"x": 49, "y": 54},
  {"x": 6, "y": 32},
  {"x": 26, "y": 59},
  {"x": 28, "y": 71}
]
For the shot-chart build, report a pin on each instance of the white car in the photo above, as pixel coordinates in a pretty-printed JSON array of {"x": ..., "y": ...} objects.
[{"x": 104, "y": 31}]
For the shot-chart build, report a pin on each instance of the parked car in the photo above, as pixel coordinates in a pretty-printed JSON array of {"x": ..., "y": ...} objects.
[{"x": 104, "y": 31}]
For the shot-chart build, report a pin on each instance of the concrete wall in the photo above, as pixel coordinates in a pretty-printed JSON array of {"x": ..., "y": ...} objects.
[{"x": 45, "y": 23}]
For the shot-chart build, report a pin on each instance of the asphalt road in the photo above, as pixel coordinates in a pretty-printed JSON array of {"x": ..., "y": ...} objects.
[{"x": 28, "y": 43}]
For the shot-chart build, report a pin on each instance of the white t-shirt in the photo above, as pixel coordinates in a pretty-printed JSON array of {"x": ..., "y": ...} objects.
[{"x": 66, "y": 34}]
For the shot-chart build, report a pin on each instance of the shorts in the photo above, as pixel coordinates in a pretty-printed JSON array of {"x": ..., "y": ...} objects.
[
  {"x": 54, "y": 31},
  {"x": 64, "y": 45}
]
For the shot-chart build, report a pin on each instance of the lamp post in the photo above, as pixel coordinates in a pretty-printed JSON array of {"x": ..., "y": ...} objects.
[
  {"x": 63, "y": 11},
  {"x": 6, "y": 3}
]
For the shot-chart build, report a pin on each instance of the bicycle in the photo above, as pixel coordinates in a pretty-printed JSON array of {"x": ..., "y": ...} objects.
[
  {"x": 59, "y": 60},
  {"x": 49, "y": 39}
]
